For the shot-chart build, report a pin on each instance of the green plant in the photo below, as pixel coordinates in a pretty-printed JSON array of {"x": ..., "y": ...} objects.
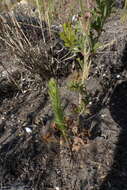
[
  {"x": 56, "y": 106},
  {"x": 83, "y": 37}
]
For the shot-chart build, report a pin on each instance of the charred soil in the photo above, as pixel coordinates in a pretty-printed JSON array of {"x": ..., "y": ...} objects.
[{"x": 27, "y": 160}]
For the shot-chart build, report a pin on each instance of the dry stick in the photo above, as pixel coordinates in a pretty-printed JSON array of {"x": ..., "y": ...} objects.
[
  {"x": 108, "y": 44},
  {"x": 85, "y": 73},
  {"x": 19, "y": 27},
  {"x": 18, "y": 33},
  {"x": 37, "y": 3},
  {"x": 10, "y": 44},
  {"x": 4, "y": 40},
  {"x": 44, "y": 40},
  {"x": 15, "y": 43}
]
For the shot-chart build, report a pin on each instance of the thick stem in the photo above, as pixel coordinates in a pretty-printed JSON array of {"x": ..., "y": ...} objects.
[{"x": 85, "y": 74}]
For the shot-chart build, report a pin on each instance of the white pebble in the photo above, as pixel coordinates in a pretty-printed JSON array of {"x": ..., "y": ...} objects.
[
  {"x": 103, "y": 115},
  {"x": 28, "y": 130},
  {"x": 118, "y": 76},
  {"x": 24, "y": 91},
  {"x": 57, "y": 188}
]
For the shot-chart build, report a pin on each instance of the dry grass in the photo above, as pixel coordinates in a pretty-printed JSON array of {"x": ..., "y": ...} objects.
[{"x": 33, "y": 42}]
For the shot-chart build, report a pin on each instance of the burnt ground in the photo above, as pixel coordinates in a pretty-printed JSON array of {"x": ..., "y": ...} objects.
[{"x": 28, "y": 161}]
